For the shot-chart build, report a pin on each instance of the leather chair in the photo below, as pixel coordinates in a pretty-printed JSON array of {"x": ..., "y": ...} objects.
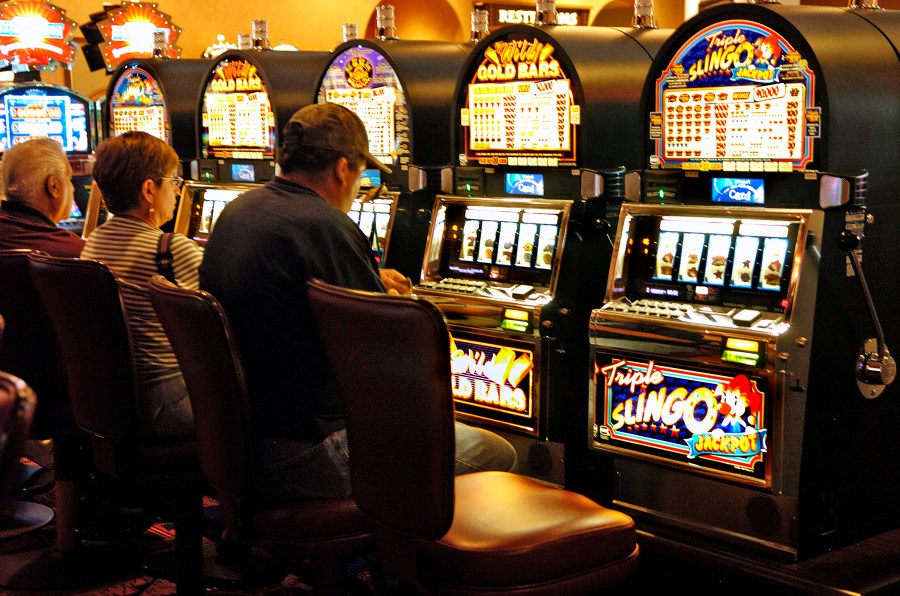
[
  {"x": 29, "y": 352},
  {"x": 83, "y": 303},
  {"x": 486, "y": 532},
  {"x": 327, "y": 531},
  {"x": 17, "y": 405}
]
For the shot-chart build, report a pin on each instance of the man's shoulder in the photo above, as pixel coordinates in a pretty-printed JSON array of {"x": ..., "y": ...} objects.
[{"x": 20, "y": 233}]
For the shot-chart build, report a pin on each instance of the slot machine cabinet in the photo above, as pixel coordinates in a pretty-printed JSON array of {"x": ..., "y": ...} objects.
[
  {"x": 402, "y": 90},
  {"x": 730, "y": 357},
  {"x": 545, "y": 123},
  {"x": 35, "y": 109},
  {"x": 245, "y": 98}
]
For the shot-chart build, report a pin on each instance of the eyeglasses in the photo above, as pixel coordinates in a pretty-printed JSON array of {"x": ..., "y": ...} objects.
[{"x": 178, "y": 181}]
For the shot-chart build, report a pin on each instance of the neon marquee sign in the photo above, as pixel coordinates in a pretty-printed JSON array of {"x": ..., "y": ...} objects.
[
  {"x": 128, "y": 33},
  {"x": 689, "y": 417},
  {"x": 35, "y": 34}
]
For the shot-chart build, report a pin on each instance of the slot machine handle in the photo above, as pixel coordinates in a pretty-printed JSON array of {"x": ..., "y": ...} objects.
[{"x": 875, "y": 368}]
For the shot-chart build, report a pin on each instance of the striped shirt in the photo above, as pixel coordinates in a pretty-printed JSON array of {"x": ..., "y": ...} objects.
[{"x": 129, "y": 247}]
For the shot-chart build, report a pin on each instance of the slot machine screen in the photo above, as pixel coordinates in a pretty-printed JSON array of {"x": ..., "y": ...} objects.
[
  {"x": 736, "y": 94},
  {"x": 738, "y": 191},
  {"x": 363, "y": 80},
  {"x": 496, "y": 243},
  {"x": 524, "y": 184},
  {"x": 137, "y": 104},
  {"x": 43, "y": 111},
  {"x": 739, "y": 259},
  {"x": 519, "y": 108},
  {"x": 237, "y": 121},
  {"x": 370, "y": 178},
  {"x": 374, "y": 218},
  {"x": 211, "y": 202}
]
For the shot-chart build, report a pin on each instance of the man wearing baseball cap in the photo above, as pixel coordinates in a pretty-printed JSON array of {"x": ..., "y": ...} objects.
[{"x": 265, "y": 245}]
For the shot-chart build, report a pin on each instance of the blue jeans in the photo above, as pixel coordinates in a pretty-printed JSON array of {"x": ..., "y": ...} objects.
[
  {"x": 290, "y": 468},
  {"x": 165, "y": 409}
]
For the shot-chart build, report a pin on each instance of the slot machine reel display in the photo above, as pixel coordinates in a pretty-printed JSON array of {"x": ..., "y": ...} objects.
[
  {"x": 545, "y": 121},
  {"x": 741, "y": 376},
  {"x": 401, "y": 90},
  {"x": 244, "y": 98}
]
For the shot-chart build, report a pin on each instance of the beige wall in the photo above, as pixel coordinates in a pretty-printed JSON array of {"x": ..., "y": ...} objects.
[{"x": 307, "y": 24}]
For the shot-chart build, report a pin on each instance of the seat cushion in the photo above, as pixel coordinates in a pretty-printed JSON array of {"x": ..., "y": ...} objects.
[{"x": 509, "y": 530}]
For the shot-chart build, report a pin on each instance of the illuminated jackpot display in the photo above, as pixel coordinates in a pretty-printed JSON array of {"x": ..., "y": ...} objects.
[
  {"x": 237, "y": 121},
  {"x": 736, "y": 97},
  {"x": 519, "y": 109},
  {"x": 687, "y": 417},
  {"x": 494, "y": 380},
  {"x": 362, "y": 80},
  {"x": 137, "y": 104},
  {"x": 44, "y": 111}
]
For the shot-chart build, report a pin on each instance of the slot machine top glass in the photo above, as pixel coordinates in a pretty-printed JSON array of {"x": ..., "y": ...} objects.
[
  {"x": 361, "y": 79},
  {"x": 736, "y": 97},
  {"x": 137, "y": 103},
  {"x": 520, "y": 109},
  {"x": 236, "y": 117},
  {"x": 401, "y": 90}
]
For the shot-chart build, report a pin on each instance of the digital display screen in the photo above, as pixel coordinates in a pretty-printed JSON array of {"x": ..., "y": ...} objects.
[
  {"x": 43, "y": 111},
  {"x": 363, "y": 80},
  {"x": 689, "y": 417},
  {"x": 374, "y": 219},
  {"x": 137, "y": 103},
  {"x": 237, "y": 121},
  {"x": 370, "y": 178},
  {"x": 519, "y": 107},
  {"x": 738, "y": 191},
  {"x": 525, "y": 184},
  {"x": 736, "y": 94},
  {"x": 740, "y": 261},
  {"x": 495, "y": 243},
  {"x": 243, "y": 172},
  {"x": 209, "y": 203}
]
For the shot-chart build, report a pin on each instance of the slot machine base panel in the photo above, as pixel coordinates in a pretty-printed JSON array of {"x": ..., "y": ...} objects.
[{"x": 868, "y": 568}]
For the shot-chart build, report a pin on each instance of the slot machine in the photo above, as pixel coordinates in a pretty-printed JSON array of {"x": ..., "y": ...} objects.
[
  {"x": 741, "y": 379},
  {"x": 401, "y": 90},
  {"x": 545, "y": 120},
  {"x": 35, "y": 109},
  {"x": 157, "y": 96},
  {"x": 245, "y": 97}
]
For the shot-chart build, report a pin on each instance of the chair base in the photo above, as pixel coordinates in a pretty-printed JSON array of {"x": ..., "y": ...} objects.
[
  {"x": 21, "y": 517},
  {"x": 47, "y": 569},
  {"x": 252, "y": 573}
]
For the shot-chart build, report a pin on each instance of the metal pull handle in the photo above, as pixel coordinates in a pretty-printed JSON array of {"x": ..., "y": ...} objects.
[{"x": 875, "y": 368}]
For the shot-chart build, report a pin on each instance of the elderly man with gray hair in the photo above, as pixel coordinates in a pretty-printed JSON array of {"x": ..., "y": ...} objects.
[{"x": 36, "y": 182}]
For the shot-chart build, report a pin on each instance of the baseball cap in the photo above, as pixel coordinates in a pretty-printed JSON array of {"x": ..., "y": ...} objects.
[{"x": 333, "y": 127}]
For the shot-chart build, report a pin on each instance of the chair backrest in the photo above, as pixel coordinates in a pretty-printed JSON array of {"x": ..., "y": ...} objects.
[
  {"x": 82, "y": 300},
  {"x": 17, "y": 403},
  {"x": 29, "y": 350},
  {"x": 207, "y": 353},
  {"x": 391, "y": 358}
]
